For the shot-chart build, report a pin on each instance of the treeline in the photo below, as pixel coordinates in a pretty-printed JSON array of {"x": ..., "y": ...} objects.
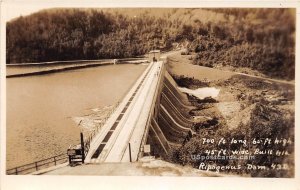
[
  {"x": 260, "y": 39},
  {"x": 68, "y": 34}
]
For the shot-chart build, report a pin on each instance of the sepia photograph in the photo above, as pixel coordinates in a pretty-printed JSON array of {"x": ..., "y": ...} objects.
[{"x": 150, "y": 91}]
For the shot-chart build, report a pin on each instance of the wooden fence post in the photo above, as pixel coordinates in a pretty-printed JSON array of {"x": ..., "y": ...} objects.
[
  {"x": 130, "y": 153},
  {"x": 36, "y": 166},
  {"x": 82, "y": 147}
]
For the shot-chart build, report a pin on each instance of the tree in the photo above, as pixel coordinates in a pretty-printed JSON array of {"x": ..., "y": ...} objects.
[{"x": 250, "y": 35}]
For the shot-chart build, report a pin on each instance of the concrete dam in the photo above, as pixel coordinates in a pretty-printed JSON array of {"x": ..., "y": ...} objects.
[
  {"x": 154, "y": 112},
  {"x": 151, "y": 121}
]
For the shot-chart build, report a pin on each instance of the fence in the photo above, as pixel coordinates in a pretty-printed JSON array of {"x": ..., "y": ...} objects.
[
  {"x": 38, "y": 165},
  {"x": 58, "y": 159}
]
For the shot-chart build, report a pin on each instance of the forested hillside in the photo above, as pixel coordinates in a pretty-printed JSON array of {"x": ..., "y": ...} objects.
[
  {"x": 260, "y": 39},
  {"x": 82, "y": 34}
]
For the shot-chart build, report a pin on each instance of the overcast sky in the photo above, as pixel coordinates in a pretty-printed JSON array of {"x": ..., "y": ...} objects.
[{"x": 15, "y": 10}]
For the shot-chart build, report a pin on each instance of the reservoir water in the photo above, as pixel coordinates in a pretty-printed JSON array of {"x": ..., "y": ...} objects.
[{"x": 40, "y": 109}]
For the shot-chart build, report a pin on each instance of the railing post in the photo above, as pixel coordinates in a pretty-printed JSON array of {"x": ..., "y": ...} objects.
[
  {"x": 70, "y": 160},
  {"x": 130, "y": 153},
  {"x": 36, "y": 166},
  {"x": 82, "y": 147},
  {"x": 16, "y": 170},
  {"x": 54, "y": 160}
]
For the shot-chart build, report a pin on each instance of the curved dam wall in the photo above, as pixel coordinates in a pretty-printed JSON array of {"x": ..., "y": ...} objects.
[
  {"x": 33, "y": 69},
  {"x": 171, "y": 125}
]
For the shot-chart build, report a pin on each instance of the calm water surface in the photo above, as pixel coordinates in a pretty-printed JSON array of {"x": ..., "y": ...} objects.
[{"x": 40, "y": 108}]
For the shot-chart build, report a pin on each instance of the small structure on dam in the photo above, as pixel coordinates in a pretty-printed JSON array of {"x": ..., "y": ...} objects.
[{"x": 154, "y": 55}]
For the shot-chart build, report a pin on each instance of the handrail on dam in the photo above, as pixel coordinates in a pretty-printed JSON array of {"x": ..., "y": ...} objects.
[
  {"x": 133, "y": 122},
  {"x": 114, "y": 131},
  {"x": 89, "y": 138},
  {"x": 157, "y": 90}
]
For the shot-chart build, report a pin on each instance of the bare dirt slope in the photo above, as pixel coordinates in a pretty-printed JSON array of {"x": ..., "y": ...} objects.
[{"x": 246, "y": 107}]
